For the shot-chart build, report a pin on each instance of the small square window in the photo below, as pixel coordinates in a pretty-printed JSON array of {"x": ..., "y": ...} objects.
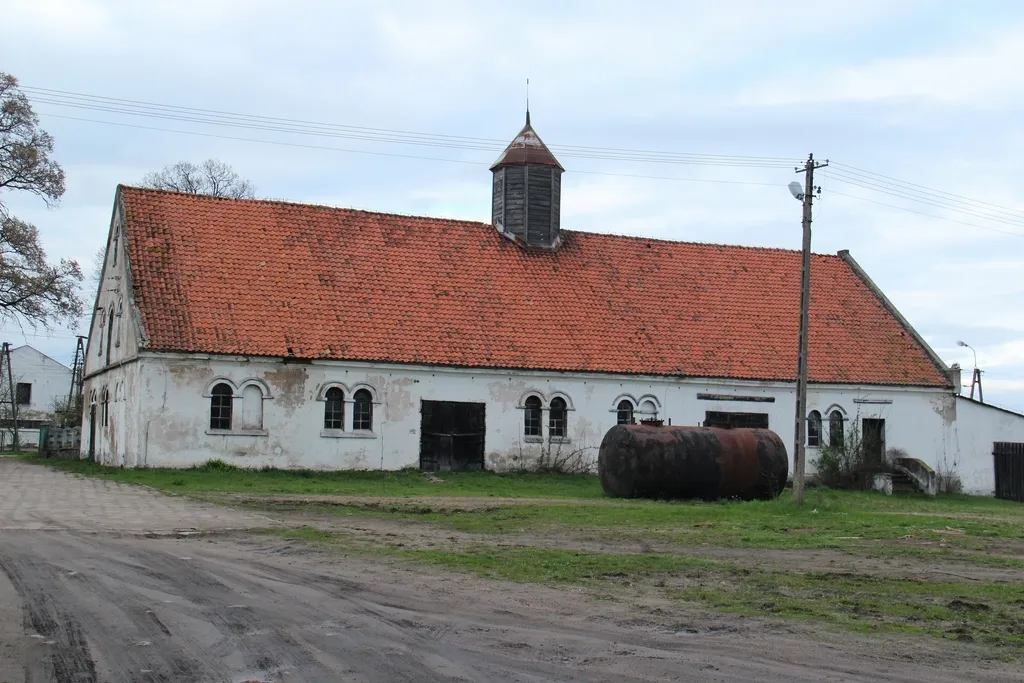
[{"x": 23, "y": 393}]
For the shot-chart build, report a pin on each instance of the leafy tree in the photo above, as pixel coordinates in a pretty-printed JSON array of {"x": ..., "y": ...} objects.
[
  {"x": 212, "y": 177},
  {"x": 31, "y": 289}
]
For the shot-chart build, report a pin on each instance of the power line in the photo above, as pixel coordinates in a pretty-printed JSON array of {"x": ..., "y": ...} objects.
[
  {"x": 848, "y": 174},
  {"x": 62, "y": 334},
  {"x": 386, "y": 154},
  {"x": 858, "y": 171},
  {"x": 464, "y": 161},
  {"x": 922, "y": 213},
  {"x": 293, "y": 126},
  {"x": 896, "y": 192}
]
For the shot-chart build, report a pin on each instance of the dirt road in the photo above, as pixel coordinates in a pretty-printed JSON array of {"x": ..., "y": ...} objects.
[
  {"x": 84, "y": 606},
  {"x": 98, "y": 608}
]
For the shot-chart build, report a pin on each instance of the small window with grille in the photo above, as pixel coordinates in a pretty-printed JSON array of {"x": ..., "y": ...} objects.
[
  {"x": 625, "y": 412},
  {"x": 334, "y": 409},
  {"x": 558, "y": 417},
  {"x": 362, "y": 411},
  {"x": 531, "y": 417},
  {"x": 220, "y": 407},
  {"x": 814, "y": 429}
]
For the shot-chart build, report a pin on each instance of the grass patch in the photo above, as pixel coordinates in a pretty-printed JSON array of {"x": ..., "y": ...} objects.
[
  {"x": 991, "y": 613},
  {"x": 838, "y": 520},
  {"x": 216, "y": 476}
]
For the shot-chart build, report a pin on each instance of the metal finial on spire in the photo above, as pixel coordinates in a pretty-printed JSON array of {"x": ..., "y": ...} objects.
[{"x": 527, "y": 101}]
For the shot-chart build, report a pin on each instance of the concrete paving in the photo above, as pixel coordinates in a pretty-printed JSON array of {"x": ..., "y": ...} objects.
[{"x": 35, "y": 497}]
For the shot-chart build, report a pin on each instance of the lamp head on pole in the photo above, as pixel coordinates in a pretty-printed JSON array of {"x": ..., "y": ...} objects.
[{"x": 797, "y": 190}]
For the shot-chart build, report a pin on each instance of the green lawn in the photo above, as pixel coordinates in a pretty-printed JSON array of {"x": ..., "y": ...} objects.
[
  {"x": 829, "y": 519},
  {"x": 216, "y": 478}
]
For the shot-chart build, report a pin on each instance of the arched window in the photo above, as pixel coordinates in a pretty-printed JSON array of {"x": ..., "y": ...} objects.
[
  {"x": 117, "y": 325},
  {"x": 531, "y": 416},
  {"x": 625, "y": 412},
  {"x": 334, "y": 409},
  {"x": 648, "y": 411},
  {"x": 362, "y": 411},
  {"x": 252, "y": 407},
  {"x": 102, "y": 320},
  {"x": 835, "y": 429},
  {"x": 220, "y": 407},
  {"x": 558, "y": 417},
  {"x": 110, "y": 332},
  {"x": 814, "y": 428},
  {"x": 106, "y": 406}
]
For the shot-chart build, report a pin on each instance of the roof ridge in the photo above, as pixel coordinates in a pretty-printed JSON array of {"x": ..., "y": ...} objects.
[
  {"x": 697, "y": 243},
  {"x": 304, "y": 205},
  {"x": 330, "y": 207}
]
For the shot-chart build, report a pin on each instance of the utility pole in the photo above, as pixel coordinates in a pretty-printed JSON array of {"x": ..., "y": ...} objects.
[
  {"x": 805, "y": 304},
  {"x": 77, "y": 372},
  {"x": 14, "y": 398}
]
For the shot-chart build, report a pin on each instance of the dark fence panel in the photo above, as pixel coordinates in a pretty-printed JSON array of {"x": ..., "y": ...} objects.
[{"x": 1009, "y": 466}]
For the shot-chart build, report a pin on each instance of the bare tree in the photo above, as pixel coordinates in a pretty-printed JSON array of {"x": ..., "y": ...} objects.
[
  {"x": 98, "y": 261},
  {"x": 31, "y": 289},
  {"x": 212, "y": 177}
]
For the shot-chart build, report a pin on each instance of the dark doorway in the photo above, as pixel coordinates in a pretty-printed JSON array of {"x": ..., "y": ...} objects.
[
  {"x": 92, "y": 431},
  {"x": 451, "y": 436},
  {"x": 715, "y": 418},
  {"x": 872, "y": 440}
]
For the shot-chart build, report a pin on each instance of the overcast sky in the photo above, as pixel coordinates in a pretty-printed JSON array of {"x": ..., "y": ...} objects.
[{"x": 929, "y": 93}]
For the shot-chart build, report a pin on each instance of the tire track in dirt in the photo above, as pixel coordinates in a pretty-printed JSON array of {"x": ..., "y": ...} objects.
[{"x": 61, "y": 653}]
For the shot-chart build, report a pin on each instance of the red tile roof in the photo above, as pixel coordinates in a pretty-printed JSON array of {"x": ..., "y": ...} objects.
[{"x": 262, "y": 277}]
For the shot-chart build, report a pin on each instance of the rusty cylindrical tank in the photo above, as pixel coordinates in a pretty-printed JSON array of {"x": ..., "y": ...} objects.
[{"x": 637, "y": 461}]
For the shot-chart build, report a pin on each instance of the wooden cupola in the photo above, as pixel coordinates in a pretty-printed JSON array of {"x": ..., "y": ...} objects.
[{"x": 527, "y": 191}]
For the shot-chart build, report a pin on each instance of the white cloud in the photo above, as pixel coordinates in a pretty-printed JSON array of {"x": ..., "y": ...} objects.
[{"x": 980, "y": 74}]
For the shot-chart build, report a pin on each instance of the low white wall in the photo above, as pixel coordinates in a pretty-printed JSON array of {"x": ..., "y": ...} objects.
[
  {"x": 172, "y": 425},
  {"x": 977, "y": 427}
]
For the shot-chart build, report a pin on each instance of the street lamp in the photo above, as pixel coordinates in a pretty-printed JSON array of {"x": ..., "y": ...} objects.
[
  {"x": 961, "y": 342},
  {"x": 976, "y": 375},
  {"x": 804, "y": 195}
]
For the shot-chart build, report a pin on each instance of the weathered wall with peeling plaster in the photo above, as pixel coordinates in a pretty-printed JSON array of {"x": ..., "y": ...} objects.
[
  {"x": 969, "y": 442},
  {"x": 173, "y": 411},
  {"x": 119, "y": 442},
  {"x": 159, "y": 406}
]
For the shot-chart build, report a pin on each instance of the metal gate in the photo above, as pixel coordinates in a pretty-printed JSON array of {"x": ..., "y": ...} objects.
[
  {"x": 451, "y": 436},
  {"x": 1009, "y": 467}
]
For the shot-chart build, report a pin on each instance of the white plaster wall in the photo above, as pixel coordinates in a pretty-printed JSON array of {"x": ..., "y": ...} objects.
[
  {"x": 118, "y": 442},
  {"x": 49, "y": 379},
  {"x": 111, "y": 361},
  {"x": 174, "y": 403},
  {"x": 970, "y": 442},
  {"x": 113, "y": 298}
]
